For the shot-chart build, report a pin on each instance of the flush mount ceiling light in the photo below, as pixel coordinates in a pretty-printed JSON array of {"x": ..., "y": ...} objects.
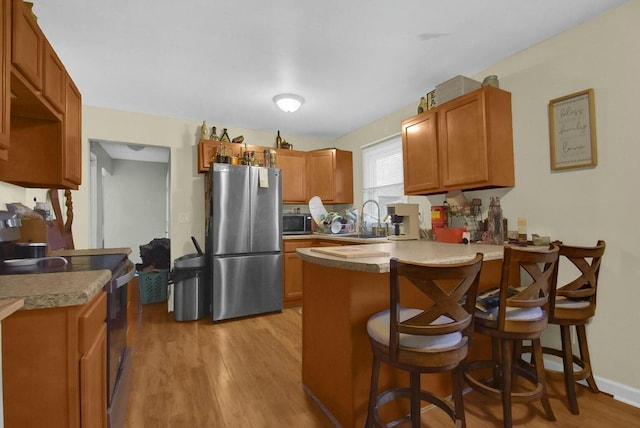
[
  {"x": 135, "y": 147},
  {"x": 288, "y": 102}
]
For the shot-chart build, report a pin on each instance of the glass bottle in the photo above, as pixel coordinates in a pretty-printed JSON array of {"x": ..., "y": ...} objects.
[
  {"x": 278, "y": 140},
  {"x": 203, "y": 130},
  {"x": 494, "y": 226},
  {"x": 219, "y": 154},
  {"x": 423, "y": 106},
  {"x": 225, "y": 136},
  {"x": 214, "y": 134}
]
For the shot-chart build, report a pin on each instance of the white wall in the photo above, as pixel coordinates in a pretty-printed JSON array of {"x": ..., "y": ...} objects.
[
  {"x": 576, "y": 206},
  {"x": 135, "y": 204}
]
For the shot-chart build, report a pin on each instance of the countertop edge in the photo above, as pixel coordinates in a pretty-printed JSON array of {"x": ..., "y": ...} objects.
[
  {"x": 91, "y": 252},
  {"x": 422, "y": 252},
  {"x": 9, "y": 306},
  {"x": 59, "y": 289}
]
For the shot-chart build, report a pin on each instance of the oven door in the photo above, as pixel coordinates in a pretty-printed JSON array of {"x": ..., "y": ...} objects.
[{"x": 117, "y": 362}]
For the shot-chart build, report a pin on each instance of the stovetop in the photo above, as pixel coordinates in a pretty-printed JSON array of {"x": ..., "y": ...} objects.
[{"x": 74, "y": 264}]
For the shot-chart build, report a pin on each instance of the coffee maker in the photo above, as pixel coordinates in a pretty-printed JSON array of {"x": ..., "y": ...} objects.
[{"x": 404, "y": 221}]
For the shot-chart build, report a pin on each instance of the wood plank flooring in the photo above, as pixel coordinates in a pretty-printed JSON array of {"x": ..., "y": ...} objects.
[{"x": 246, "y": 373}]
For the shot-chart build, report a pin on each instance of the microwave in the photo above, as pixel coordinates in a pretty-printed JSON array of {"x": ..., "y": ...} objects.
[{"x": 296, "y": 224}]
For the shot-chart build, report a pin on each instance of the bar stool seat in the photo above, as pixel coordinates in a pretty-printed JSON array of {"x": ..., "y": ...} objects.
[{"x": 432, "y": 338}]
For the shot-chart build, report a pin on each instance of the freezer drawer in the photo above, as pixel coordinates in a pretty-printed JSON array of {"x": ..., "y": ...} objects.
[{"x": 246, "y": 285}]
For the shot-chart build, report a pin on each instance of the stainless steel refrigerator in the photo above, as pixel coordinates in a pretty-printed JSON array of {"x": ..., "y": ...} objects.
[{"x": 244, "y": 240}]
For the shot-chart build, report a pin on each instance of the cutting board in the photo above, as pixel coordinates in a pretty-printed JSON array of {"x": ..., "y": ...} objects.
[{"x": 350, "y": 252}]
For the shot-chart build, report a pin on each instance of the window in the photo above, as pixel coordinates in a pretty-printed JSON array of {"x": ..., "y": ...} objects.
[{"x": 382, "y": 180}]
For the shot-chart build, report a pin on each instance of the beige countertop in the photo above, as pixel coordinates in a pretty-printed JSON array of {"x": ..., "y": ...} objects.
[
  {"x": 422, "y": 251},
  {"x": 337, "y": 238},
  {"x": 48, "y": 290}
]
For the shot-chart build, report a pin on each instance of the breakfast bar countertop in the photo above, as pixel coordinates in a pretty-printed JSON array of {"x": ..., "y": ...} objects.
[{"x": 421, "y": 251}]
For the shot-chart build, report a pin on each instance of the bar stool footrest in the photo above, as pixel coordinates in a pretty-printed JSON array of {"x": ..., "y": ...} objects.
[
  {"x": 486, "y": 389},
  {"x": 394, "y": 394}
]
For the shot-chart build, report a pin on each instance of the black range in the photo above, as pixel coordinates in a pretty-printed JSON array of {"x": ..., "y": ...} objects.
[{"x": 74, "y": 264}]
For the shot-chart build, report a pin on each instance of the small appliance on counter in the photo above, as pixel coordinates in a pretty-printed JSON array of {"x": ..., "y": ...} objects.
[
  {"x": 296, "y": 224},
  {"x": 404, "y": 222}
]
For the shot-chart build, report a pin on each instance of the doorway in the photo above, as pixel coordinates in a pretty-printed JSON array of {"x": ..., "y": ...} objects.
[{"x": 129, "y": 196}]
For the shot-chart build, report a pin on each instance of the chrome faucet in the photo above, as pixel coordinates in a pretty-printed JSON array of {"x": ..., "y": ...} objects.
[{"x": 362, "y": 214}]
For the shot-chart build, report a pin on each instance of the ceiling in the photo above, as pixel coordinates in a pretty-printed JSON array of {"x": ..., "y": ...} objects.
[{"x": 353, "y": 61}]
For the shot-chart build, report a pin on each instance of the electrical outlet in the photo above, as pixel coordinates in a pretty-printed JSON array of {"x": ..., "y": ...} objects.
[{"x": 184, "y": 218}]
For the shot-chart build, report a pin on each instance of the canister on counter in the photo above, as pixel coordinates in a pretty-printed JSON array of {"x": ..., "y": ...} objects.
[{"x": 438, "y": 218}]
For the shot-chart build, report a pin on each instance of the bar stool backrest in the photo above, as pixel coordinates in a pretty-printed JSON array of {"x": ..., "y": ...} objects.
[
  {"x": 583, "y": 287},
  {"x": 526, "y": 283}
]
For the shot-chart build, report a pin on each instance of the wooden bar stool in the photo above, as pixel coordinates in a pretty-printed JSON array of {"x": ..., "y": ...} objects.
[
  {"x": 574, "y": 304},
  {"x": 521, "y": 314},
  {"x": 430, "y": 339}
]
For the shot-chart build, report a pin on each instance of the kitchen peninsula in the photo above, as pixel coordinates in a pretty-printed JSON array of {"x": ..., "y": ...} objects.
[{"x": 340, "y": 294}]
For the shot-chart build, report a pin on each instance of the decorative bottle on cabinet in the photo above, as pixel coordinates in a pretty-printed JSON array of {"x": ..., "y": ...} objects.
[
  {"x": 278, "y": 140},
  {"x": 203, "y": 131},
  {"x": 225, "y": 136},
  {"x": 423, "y": 106},
  {"x": 214, "y": 134},
  {"x": 494, "y": 226}
]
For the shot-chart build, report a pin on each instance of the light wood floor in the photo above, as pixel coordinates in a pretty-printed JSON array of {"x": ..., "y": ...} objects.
[{"x": 246, "y": 373}]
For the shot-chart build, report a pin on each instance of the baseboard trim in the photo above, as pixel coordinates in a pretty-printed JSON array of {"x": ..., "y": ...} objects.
[{"x": 619, "y": 391}]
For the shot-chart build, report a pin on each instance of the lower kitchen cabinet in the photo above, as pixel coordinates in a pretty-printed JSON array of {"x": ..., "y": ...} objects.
[
  {"x": 55, "y": 366},
  {"x": 292, "y": 275},
  {"x": 292, "y": 268}
]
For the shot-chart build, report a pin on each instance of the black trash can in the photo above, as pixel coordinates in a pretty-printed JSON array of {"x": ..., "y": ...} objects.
[{"x": 190, "y": 296}]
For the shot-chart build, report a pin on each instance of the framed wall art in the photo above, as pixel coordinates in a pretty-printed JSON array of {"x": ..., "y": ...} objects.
[{"x": 572, "y": 131}]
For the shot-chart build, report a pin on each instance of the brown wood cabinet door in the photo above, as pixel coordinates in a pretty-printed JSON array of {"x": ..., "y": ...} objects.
[
  {"x": 420, "y": 153},
  {"x": 320, "y": 174},
  {"x": 5, "y": 64},
  {"x": 330, "y": 176},
  {"x": 72, "y": 142},
  {"x": 54, "y": 79},
  {"x": 292, "y": 284},
  {"x": 292, "y": 271},
  {"x": 27, "y": 44},
  {"x": 293, "y": 166},
  {"x": 462, "y": 135},
  {"x": 93, "y": 383},
  {"x": 206, "y": 153}
]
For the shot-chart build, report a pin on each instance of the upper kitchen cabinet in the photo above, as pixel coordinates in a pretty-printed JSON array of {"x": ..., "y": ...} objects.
[
  {"x": 420, "y": 153},
  {"x": 55, "y": 79},
  {"x": 292, "y": 164},
  {"x": 5, "y": 63},
  {"x": 207, "y": 150},
  {"x": 72, "y": 141},
  {"x": 330, "y": 175},
  {"x": 43, "y": 147},
  {"x": 28, "y": 42},
  {"x": 464, "y": 144}
]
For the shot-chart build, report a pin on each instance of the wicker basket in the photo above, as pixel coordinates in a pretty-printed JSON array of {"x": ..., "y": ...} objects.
[{"x": 153, "y": 286}]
